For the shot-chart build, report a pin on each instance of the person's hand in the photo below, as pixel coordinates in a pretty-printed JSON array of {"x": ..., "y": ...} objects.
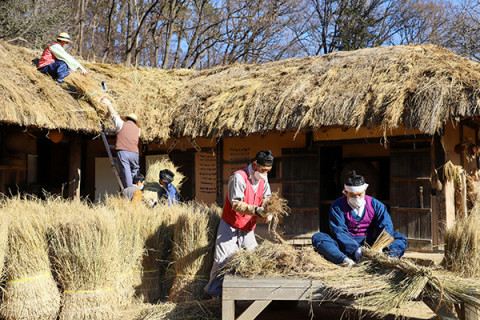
[
  {"x": 359, "y": 253},
  {"x": 106, "y": 102},
  {"x": 84, "y": 71},
  {"x": 269, "y": 217}
]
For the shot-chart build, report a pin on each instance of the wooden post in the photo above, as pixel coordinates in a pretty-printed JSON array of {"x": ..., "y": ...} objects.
[
  {"x": 464, "y": 193},
  {"x": 75, "y": 166}
]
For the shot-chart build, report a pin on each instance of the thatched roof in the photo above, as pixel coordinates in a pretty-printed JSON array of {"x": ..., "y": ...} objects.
[{"x": 421, "y": 87}]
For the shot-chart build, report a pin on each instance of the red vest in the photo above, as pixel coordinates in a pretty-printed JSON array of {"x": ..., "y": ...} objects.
[
  {"x": 241, "y": 221},
  {"x": 47, "y": 57},
  {"x": 127, "y": 137}
]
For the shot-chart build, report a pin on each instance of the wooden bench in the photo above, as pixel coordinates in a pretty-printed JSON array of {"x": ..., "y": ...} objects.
[{"x": 264, "y": 290}]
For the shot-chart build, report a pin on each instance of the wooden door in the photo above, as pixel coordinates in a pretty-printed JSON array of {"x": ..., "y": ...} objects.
[
  {"x": 300, "y": 186},
  {"x": 410, "y": 192}
]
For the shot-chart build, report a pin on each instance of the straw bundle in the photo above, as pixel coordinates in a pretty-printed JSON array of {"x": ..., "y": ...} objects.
[
  {"x": 278, "y": 260},
  {"x": 86, "y": 256},
  {"x": 131, "y": 241},
  {"x": 194, "y": 310},
  {"x": 194, "y": 239},
  {"x": 462, "y": 245},
  {"x": 4, "y": 225},
  {"x": 157, "y": 231},
  {"x": 152, "y": 186},
  {"x": 30, "y": 291},
  {"x": 278, "y": 208}
]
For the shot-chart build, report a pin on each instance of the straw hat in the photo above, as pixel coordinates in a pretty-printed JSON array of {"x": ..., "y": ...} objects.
[
  {"x": 63, "y": 36},
  {"x": 131, "y": 116}
]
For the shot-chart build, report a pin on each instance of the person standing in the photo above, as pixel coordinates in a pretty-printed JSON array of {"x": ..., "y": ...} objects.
[
  {"x": 127, "y": 144},
  {"x": 168, "y": 190},
  {"x": 356, "y": 220},
  {"x": 56, "y": 62},
  {"x": 247, "y": 190}
]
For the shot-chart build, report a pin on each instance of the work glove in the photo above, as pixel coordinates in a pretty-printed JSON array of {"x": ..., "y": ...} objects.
[
  {"x": 269, "y": 217},
  {"x": 359, "y": 253},
  {"x": 83, "y": 71},
  {"x": 259, "y": 211},
  {"x": 347, "y": 262}
]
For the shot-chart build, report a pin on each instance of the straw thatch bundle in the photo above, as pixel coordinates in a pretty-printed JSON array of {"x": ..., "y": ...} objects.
[
  {"x": 130, "y": 222},
  {"x": 152, "y": 186},
  {"x": 194, "y": 310},
  {"x": 379, "y": 282},
  {"x": 30, "y": 291},
  {"x": 194, "y": 239},
  {"x": 278, "y": 208},
  {"x": 419, "y": 86},
  {"x": 462, "y": 245},
  {"x": 4, "y": 225},
  {"x": 86, "y": 256},
  {"x": 157, "y": 231}
]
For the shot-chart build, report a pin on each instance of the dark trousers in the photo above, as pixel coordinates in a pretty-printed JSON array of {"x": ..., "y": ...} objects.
[
  {"x": 330, "y": 250},
  {"x": 58, "y": 70}
]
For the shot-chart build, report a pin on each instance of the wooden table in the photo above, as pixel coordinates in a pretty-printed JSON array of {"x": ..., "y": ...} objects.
[{"x": 264, "y": 290}]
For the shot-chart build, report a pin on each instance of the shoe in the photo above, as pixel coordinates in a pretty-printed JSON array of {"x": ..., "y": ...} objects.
[{"x": 347, "y": 262}]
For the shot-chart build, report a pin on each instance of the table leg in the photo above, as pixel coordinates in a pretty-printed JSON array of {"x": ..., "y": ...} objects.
[{"x": 228, "y": 309}]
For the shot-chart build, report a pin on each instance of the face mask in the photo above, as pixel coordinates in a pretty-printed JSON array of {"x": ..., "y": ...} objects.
[
  {"x": 356, "y": 202},
  {"x": 259, "y": 176}
]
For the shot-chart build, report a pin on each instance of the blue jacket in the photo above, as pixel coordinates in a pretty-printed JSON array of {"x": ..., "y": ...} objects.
[
  {"x": 339, "y": 230},
  {"x": 169, "y": 192}
]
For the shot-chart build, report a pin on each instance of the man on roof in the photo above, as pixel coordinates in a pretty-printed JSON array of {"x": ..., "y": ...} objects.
[
  {"x": 247, "y": 190},
  {"x": 56, "y": 62},
  {"x": 356, "y": 220},
  {"x": 127, "y": 144}
]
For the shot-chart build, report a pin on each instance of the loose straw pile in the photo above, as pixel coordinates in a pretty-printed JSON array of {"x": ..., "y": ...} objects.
[
  {"x": 193, "y": 310},
  {"x": 30, "y": 291}
]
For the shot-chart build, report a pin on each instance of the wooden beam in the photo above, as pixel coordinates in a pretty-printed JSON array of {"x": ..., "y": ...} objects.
[
  {"x": 254, "y": 310},
  {"x": 75, "y": 164},
  {"x": 228, "y": 309}
]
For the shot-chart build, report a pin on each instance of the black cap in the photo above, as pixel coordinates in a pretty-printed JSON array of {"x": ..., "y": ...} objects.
[
  {"x": 353, "y": 179},
  {"x": 264, "y": 158},
  {"x": 138, "y": 178},
  {"x": 166, "y": 176}
]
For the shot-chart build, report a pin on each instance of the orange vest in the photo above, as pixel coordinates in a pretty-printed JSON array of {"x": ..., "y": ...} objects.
[
  {"x": 127, "y": 137},
  {"x": 47, "y": 56},
  {"x": 241, "y": 221}
]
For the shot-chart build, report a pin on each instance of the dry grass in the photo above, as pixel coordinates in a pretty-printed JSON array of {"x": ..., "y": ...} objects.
[
  {"x": 86, "y": 256},
  {"x": 278, "y": 208},
  {"x": 4, "y": 226},
  {"x": 129, "y": 217},
  {"x": 462, "y": 245},
  {"x": 379, "y": 283},
  {"x": 152, "y": 186},
  {"x": 157, "y": 232},
  {"x": 421, "y": 86},
  {"x": 194, "y": 238},
  {"x": 194, "y": 310},
  {"x": 30, "y": 290}
]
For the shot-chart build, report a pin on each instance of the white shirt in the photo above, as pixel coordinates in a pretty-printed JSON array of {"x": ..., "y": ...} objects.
[{"x": 237, "y": 186}]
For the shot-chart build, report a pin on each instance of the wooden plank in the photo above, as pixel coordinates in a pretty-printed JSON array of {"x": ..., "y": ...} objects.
[
  {"x": 75, "y": 165},
  {"x": 412, "y": 179},
  {"x": 415, "y": 210},
  {"x": 272, "y": 289},
  {"x": 443, "y": 311},
  {"x": 228, "y": 309},
  {"x": 254, "y": 310}
]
